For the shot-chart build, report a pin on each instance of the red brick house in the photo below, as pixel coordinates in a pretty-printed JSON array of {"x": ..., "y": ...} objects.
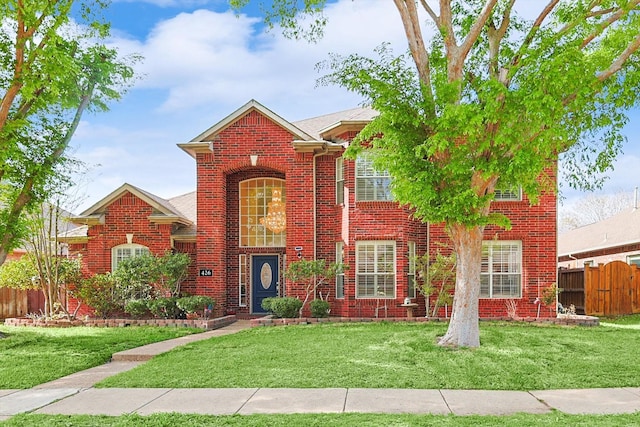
[{"x": 270, "y": 192}]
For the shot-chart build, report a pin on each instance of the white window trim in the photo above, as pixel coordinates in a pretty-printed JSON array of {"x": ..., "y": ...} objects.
[
  {"x": 130, "y": 246},
  {"x": 377, "y": 243},
  {"x": 491, "y": 274}
]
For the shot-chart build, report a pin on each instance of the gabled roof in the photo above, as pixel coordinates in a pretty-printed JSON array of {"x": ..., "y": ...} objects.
[
  {"x": 619, "y": 230},
  {"x": 165, "y": 212},
  {"x": 201, "y": 142},
  {"x": 329, "y": 125}
]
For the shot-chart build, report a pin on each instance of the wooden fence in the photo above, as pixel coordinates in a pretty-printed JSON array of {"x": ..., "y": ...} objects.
[
  {"x": 611, "y": 289},
  {"x": 18, "y": 303}
]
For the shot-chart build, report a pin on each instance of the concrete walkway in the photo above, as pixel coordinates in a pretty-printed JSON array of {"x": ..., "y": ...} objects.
[{"x": 75, "y": 394}]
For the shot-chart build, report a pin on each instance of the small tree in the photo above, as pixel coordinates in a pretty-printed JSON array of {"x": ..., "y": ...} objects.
[
  {"x": 312, "y": 274},
  {"x": 438, "y": 276}
]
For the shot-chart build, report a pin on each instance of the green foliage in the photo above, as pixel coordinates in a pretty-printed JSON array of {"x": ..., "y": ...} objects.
[
  {"x": 137, "y": 307},
  {"x": 52, "y": 72},
  {"x": 148, "y": 276},
  {"x": 165, "y": 308},
  {"x": 438, "y": 276},
  {"x": 99, "y": 292},
  {"x": 313, "y": 274},
  {"x": 284, "y": 307},
  {"x": 19, "y": 274},
  {"x": 319, "y": 308},
  {"x": 195, "y": 303}
]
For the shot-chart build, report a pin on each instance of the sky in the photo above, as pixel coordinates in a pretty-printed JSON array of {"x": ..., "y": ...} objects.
[{"x": 203, "y": 61}]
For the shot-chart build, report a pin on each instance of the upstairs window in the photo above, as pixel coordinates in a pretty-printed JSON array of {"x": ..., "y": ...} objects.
[
  {"x": 263, "y": 219},
  {"x": 504, "y": 193},
  {"x": 122, "y": 252},
  {"x": 371, "y": 184}
]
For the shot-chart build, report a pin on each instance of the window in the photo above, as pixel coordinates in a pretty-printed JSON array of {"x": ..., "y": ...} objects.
[
  {"x": 411, "y": 277},
  {"x": 375, "y": 269},
  {"x": 504, "y": 193},
  {"x": 242, "y": 280},
  {"x": 371, "y": 185},
  {"x": 339, "y": 181},
  {"x": 340, "y": 275},
  {"x": 263, "y": 213},
  {"x": 633, "y": 260},
  {"x": 122, "y": 252},
  {"x": 501, "y": 274}
]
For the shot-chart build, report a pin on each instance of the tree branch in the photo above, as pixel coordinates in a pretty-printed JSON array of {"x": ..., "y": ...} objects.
[
  {"x": 430, "y": 11},
  {"x": 533, "y": 31},
  {"x": 617, "y": 64},
  {"x": 476, "y": 29},
  {"x": 411, "y": 22},
  {"x": 607, "y": 23}
]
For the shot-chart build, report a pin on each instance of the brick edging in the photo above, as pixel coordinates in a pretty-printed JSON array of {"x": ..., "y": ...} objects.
[
  {"x": 206, "y": 324},
  {"x": 576, "y": 320}
]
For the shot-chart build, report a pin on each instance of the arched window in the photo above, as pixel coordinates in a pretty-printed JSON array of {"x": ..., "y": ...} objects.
[
  {"x": 121, "y": 252},
  {"x": 263, "y": 218}
]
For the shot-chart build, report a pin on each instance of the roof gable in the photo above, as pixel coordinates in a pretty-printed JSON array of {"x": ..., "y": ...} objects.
[
  {"x": 202, "y": 141},
  {"x": 165, "y": 212}
]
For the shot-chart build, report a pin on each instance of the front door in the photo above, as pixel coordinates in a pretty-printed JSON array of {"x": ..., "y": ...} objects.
[{"x": 264, "y": 280}]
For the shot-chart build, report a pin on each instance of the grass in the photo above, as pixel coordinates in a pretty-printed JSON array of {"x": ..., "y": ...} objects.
[
  {"x": 327, "y": 420},
  {"x": 32, "y": 356},
  {"x": 512, "y": 356}
]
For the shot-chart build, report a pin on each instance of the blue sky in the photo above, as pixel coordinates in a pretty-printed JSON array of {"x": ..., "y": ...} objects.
[{"x": 201, "y": 62}]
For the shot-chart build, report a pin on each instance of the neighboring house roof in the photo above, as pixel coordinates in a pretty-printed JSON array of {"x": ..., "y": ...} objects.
[{"x": 617, "y": 231}]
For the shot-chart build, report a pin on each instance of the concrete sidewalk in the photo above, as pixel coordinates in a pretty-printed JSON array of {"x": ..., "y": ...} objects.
[
  {"x": 244, "y": 401},
  {"x": 75, "y": 394}
]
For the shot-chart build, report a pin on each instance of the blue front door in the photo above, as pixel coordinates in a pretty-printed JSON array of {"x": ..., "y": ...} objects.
[{"x": 264, "y": 280}]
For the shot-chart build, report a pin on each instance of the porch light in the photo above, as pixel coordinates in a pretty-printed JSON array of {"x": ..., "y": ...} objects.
[{"x": 276, "y": 219}]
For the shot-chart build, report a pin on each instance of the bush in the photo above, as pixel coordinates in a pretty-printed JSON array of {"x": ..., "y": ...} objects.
[
  {"x": 98, "y": 292},
  {"x": 319, "y": 308},
  {"x": 195, "y": 303},
  {"x": 137, "y": 307},
  {"x": 165, "y": 308},
  {"x": 286, "y": 307}
]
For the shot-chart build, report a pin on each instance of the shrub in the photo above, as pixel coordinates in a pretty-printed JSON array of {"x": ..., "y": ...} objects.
[
  {"x": 98, "y": 292},
  {"x": 137, "y": 307},
  {"x": 286, "y": 307},
  {"x": 195, "y": 303},
  {"x": 319, "y": 308},
  {"x": 165, "y": 308}
]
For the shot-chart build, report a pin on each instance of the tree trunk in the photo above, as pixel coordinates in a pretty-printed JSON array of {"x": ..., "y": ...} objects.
[{"x": 464, "y": 329}]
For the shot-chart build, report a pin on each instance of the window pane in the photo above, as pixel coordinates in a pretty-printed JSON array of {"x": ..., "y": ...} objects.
[
  {"x": 501, "y": 270},
  {"x": 371, "y": 184},
  {"x": 263, "y": 213},
  {"x": 375, "y": 270}
]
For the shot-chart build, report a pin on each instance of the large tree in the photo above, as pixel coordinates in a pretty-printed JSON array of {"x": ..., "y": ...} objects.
[
  {"x": 54, "y": 66},
  {"x": 490, "y": 99}
]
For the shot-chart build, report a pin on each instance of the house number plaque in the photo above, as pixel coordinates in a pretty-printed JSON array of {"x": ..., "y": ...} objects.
[{"x": 206, "y": 272}]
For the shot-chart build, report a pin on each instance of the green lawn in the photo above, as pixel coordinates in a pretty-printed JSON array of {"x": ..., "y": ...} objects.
[
  {"x": 32, "y": 356},
  {"x": 327, "y": 420},
  {"x": 512, "y": 356}
]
